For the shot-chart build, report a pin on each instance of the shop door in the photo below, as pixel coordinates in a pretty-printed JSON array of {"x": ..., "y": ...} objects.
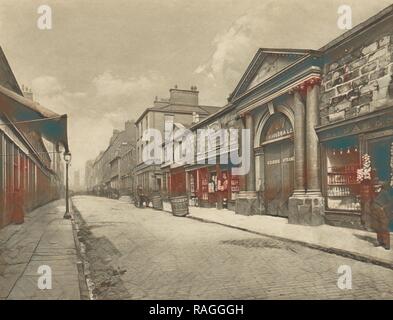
[
  {"x": 278, "y": 177},
  {"x": 380, "y": 150},
  {"x": 381, "y": 153}
]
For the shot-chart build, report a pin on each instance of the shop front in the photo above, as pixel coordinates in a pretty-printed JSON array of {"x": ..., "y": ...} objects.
[
  {"x": 343, "y": 146},
  {"x": 177, "y": 182},
  {"x": 213, "y": 186},
  {"x": 342, "y": 160}
]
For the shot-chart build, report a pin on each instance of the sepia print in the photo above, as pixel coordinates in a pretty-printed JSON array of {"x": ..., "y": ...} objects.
[{"x": 196, "y": 150}]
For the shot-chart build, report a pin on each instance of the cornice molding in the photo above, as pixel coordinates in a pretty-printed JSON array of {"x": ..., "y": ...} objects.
[{"x": 309, "y": 77}]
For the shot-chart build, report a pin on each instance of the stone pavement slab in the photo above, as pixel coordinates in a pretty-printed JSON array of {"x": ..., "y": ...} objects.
[
  {"x": 44, "y": 239},
  {"x": 347, "y": 242}
]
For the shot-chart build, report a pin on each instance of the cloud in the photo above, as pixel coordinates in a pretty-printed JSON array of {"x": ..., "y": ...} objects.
[
  {"x": 106, "y": 105},
  {"x": 116, "y": 98},
  {"x": 232, "y": 51},
  {"x": 83, "y": 126},
  {"x": 47, "y": 85},
  {"x": 107, "y": 84},
  {"x": 269, "y": 24}
]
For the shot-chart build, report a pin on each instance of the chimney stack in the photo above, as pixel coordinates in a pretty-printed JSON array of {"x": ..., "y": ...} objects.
[{"x": 187, "y": 97}]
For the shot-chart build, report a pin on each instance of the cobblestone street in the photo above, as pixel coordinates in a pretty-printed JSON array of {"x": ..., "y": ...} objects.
[{"x": 146, "y": 254}]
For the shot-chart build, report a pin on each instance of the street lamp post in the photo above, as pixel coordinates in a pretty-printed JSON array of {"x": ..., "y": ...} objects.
[{"x": 67, "y": 159}]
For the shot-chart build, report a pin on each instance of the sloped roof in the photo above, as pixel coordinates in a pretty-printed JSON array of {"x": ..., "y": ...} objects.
[
  {"x": 7, "y": 77},
  {"x": 25, "y": 114},
  {"x": 361, "y": 27},
  {"x": 180, "y": 108},
  {"x": 257, "y": 62},
  {"x": 186, "y": 108}
]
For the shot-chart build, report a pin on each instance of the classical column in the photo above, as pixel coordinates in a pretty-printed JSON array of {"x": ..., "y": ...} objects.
[
  {"x": 307, "y": 208},
  {"x": 251, "y": 174},
  {"x": 247, "y": 201},
  {"x": 300, "y": 141},
  {"x": 312, "y": 143}
]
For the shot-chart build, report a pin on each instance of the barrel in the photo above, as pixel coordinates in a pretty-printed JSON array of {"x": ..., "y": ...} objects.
[
  {"x": 157, "y": 202},
  {"x": 179, "y": 206}
]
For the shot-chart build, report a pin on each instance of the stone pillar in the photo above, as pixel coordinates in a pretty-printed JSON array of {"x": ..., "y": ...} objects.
[
  {"x": 260, "y": 180},
  {"x": 300, "y": 142},
  {"x": 307, "y": 206},
  {"x": 312, "y": 143},
  {"x": 251, "y": 175},
  {"x": 247, "y": 201}
]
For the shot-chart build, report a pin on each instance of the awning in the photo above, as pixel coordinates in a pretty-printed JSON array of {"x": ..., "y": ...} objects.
[{"x": 28, "y": 115}]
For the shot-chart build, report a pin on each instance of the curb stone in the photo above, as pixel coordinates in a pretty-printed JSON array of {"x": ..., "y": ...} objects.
[{"x": 85, "y": 293}]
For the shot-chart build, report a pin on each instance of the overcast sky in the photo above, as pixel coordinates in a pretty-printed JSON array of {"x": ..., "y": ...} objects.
[{"x": 104, "y": 61}]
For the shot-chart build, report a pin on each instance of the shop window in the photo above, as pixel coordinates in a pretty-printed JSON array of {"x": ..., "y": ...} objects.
[
  {"x": 235, "y": 186},
  {"x": 343, "y": 161},
  {"x": 213, "y": 183}
]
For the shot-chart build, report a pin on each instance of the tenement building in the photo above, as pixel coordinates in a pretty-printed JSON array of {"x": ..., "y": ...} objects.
[
  {"x": 113, "y": 168},
  {"x": 181, "y": 109},
  {"x": 311, "y": 115}
]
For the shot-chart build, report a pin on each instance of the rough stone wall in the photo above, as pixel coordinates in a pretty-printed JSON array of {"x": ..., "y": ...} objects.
[{"x": 358, "y": 81}]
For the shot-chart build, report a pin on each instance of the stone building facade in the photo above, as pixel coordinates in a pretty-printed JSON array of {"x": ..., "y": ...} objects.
[
  {"x": 356, "y": 114},
  {"x": 311, "y": 115},
  {"x": 181, "y": 108},
  {"x": 113, "y": 169}
]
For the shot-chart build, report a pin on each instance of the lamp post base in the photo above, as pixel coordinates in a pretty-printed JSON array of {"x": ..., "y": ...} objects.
[{"x": 67, "y": 215}]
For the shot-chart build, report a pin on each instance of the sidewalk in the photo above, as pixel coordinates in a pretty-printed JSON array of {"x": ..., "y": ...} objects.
[
  {"x": 356, "y": 244},
  {"x": 44, "y": 239}
]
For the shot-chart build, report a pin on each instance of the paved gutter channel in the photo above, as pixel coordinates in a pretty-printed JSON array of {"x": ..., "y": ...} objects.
[
  {"x": 85, "y": 286},
  {"x": 101, "y": 279}
]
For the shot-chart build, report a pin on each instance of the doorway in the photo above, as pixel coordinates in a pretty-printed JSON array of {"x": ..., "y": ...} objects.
[
  {"x": 381, "y": 154},
  {"x": 277, "y": 143},
  {"x": 279, "y": 177}
]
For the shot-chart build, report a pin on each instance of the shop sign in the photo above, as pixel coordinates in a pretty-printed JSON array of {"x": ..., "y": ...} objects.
[
  {"x": 235, "y": 185},
  {"x": 279, "y": 127},
  {"x": 381, "y": 121},
  {"x": 273, "y": 162}
]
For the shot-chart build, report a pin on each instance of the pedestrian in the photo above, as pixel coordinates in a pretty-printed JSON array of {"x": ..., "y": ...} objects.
[
  {"x": 382, "y": 214},
  {"x": 18, "y": 207},
  {"x": 140, "y": 196}
]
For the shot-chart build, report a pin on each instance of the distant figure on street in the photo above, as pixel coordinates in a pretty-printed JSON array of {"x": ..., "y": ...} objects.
[
  {"x": 382, "y": 215},
  {"x": 141, "y": 198},
  {"x": 18, "y": 214}
]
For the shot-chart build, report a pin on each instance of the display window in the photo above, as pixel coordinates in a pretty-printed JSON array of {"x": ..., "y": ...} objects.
[
  {"x": 343, "y": 160},
  {"x": 235, "y": 187}
]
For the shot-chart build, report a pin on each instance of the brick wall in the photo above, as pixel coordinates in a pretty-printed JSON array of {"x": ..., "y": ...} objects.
[{"x": 357, "y": 80}]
